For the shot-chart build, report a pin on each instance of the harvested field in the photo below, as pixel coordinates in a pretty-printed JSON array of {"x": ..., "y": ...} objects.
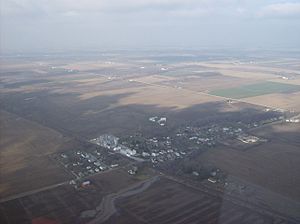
[
  {"x": 269, "y": 169},
  {"x": 56, "y": 106},
  {"x": 271, "y": 165},
  {"x": 154, "y": 79},
  {"x": 205, "y": 84},
  {"x": 292, "y": 81},
  {"x": 94, "y": 65},
  {"x": 252, "y": 75},
  {"x": 245, "y": 66},
  {"x": 25, "y": 146},
  {"x": 169, "y": 202},
  {"x": 256, "y": 90},
  {"x": 166, "y": 97},
  {"x": 139, "y": 90},
  {"x": 64, "y": 204},
  {"x": 290, "y": 101}
]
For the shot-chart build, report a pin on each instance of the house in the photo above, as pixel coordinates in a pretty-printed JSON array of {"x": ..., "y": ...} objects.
[
  {"x": 86, "y": 183},
  {"x": 133, "y": 170},
  {"x": 212, "y": 180},
  {"x": 195, "y": 173},
  {"x": 127, "y": 151}
]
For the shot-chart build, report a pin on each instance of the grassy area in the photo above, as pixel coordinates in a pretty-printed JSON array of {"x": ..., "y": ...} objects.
[
  {"x": 142, "y": 176},
  {"x": 256, "y": 90},
  {"x": 144, "y": 173}
]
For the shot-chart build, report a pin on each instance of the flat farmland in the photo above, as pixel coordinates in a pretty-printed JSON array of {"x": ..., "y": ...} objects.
[
  {"x": 267, "y": 165},
  {"x": 167, "y": 201},
  {"x": 269, "y": 168},
  {"x": 152, "y": 79},
  {"x": 253, "y": 75},
  {"x": 207, "y": 82},
  {"x": 247, "y": 66},
  {"x": 85, "y": 85},
  {"x": 25, "y": 146},
  {"x": 53, "y": 106},
  {"x": 284, "y": 133},
  {"x": 166, "y": 97},
  {"x": 256, "y": 90},
  {"x": 139, "y": 91},
  {"x": 288, "y": 101},
  {"x": 293, "y": 80},
  {"x": 88, "y": 65},
  {"x": 63, "y": 204}
]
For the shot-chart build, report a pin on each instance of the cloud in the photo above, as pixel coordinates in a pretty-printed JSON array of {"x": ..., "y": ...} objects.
[
  {"x": 188, "y": 8},
  {"x": 79, "y": 23},
  {"x": 51, "y": 7},
  {"x": 70, "y": 13},
  {"x": 280, "y": 10}
]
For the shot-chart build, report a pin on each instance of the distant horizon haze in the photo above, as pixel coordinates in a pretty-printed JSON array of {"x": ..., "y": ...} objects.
[{"x": 64, "y": 25}]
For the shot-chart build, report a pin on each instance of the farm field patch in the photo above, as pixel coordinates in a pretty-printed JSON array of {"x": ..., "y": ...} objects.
[
  {"x": 25, "y": 146},
  {"x": 167, "y": 201},
  {"x": 64, "y": 203},
  {"x": 256, "y": 90}
]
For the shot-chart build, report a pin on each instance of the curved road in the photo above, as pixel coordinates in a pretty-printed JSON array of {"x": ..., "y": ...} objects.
[{"x": 107, "y": 206}]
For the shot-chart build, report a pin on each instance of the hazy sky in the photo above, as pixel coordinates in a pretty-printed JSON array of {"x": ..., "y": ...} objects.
[{"x": 51, "y": 25}]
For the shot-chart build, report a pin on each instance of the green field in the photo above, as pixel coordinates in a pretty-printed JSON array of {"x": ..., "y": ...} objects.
[{"x": 256, "y": 90}]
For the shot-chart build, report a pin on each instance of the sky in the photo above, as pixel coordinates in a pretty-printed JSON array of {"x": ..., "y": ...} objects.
[{"x": 64, "y": 25}]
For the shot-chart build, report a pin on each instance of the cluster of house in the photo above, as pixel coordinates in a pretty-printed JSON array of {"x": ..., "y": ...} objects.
[
  {"x": 292, "y": 120},
  {"x": 112, "y": 142},
  {"x": 153, "y": 149},
  {"x": 133, "y": 170},
  {"x": 210, "y": 135},
  {"x": 156, "y": 149},
  {"x": 159, "y": 120},
  {"x": 124, "y": 150},
  {"x": 248, "y": 138},
  {"x": 106, "y": 141},
  {"x": 188, "y": 138},
  {"x": 82, "y": 163},
  {"x": 165, "y": 155},
  {"x": 79, "y": 184}
]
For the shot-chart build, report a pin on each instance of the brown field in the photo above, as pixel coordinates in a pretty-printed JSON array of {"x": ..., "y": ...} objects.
[
  {"x": 92, "y": 65},
  {"x": 169, "y": 202},
  {"x": 92, "y": 79},
  {"x": 204, "y": 84},
  {"x": 89, "y": 85},
  {"x": 249, "y": 73},
  {"x": 51, "y": 106},
  {"x": 290, "y": 63},
  {"x": 254, "y": 75},
  {"x": 166, "y": 97},
  {"x": 272, "y": 165},
  {"x": 152, "y": 79},
  {"x": 24, "y": 164},
  {"x": 20, "y": 65},
  {"x": 64, "y": 204},
  {"x": 294, "y": 81},
  {"x": 289, "y": 101},
  {"x": 271, "y": 168},
  {"x": 265, "y": 164},
  {"x": 259, "y": 67}
]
